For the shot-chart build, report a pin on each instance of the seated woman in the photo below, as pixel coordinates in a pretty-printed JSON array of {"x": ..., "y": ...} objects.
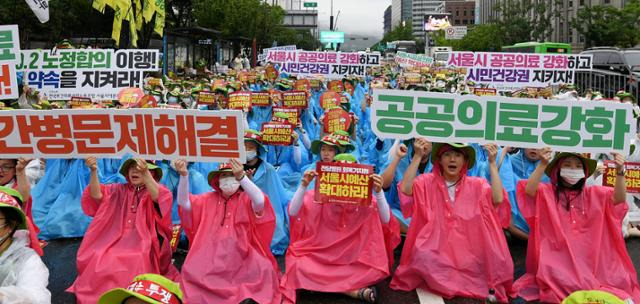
[
  {"x": 130, "y": 231},
  {"x": 455, "y": 245},
  {"x": 575, "y": 241},
  {"x": 229, "y": 231},
  {"x": 339, "y": 247},
  {"x": 23, "y": 276},
  {"x": 145, "y": 288}
]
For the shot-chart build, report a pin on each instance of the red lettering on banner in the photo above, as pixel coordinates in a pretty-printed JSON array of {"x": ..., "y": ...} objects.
[
  {"x": 7, "y": 123},
  {"x": 165, "y": 136},
  {"x": 218, "y": 147},
  {"x": 52, "y": 133},
  {"x": 91, "y": 129},
  {"x": 185, "y": 126}
]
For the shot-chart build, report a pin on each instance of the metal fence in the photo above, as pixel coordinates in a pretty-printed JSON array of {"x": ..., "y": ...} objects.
[{"x": 608, "y": 83}]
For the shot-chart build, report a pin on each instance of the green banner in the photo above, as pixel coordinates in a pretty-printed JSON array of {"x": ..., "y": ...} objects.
[{"x": 584, "y": 126}]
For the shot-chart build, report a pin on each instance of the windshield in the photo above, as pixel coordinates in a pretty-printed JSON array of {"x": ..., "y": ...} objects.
[
  {"x": 441, "y": 56},
  {"x": 633, "y": 59}
]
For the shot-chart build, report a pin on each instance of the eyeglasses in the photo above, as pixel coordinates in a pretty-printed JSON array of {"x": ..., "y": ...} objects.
[{"x": 6, "y": 168}]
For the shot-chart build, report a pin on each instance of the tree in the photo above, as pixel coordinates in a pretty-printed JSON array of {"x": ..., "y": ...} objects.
[
  {"x": 480, "y": 38},
  {"x": 525, "y": 20},
  {"x": 400, "y": 32},
  {"x": 604, "y": 25}
]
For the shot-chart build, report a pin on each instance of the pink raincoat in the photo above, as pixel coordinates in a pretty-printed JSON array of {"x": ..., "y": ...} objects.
[
  {"x": 455, "y": 249},
  {"x": 34, "y": 243},
  {"x": 338, "y": 247},
  {"x": 229, "y": 259},
  {"x": 578, "y": 249},
  {"x": 123, "y": 240}
]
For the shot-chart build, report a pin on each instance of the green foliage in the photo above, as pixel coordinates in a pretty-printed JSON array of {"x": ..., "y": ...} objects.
[
  {"x": 604, "y": 25},
  {"x": 479, "y": 38},
  {"x": 525, "y": 20},
  {"x": 399, "y": 33}
]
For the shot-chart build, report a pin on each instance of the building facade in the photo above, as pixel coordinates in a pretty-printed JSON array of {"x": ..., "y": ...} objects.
[
  {"x": 567, "y": 10},
  {"x": 462, "y": 12},
  {"x": 421, "y": 8},
  {"x": 401, "y": 10},
  {"x": 386, "y": 23}
]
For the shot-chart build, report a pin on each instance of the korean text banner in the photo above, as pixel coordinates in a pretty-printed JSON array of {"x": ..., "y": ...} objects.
[
  {"x": 571, "y": 126},
  {"x": 329, "y": 64},
  {"x": 93, "y": 73},
  {"x": 406, "y": 60},
  {"x": 205, "y": 136},
  {"x": 9, "y": 56},
  {"x": 631, "y": 175},
  {"x": 511, "y": 71},
  {"x": 343, "y": 183}
]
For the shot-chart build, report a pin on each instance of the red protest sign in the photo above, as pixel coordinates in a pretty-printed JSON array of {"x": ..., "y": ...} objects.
[
  {"x": 293, "y": 114},
  {"x": 239, "y": 101},
  {"x": 349, "y": 88},
  {"x": 343, "y": 183},
  {"x": 329, "y": 100},
  {"x": 295, "y": 99},
  {"x": 336, "y": 86},
  {"x": 261, "y": 99},
  {"x": 148, "y": 101},
  {"x": 485, "y": 92},
  {"x": 80, "y": 102},
  {"x": 302, "y": 85},
  {"x": 315, "y": 83},
  {"x": 271, "y": 72},
  {"x": 277, "y": 134},
  {"x": 208, "y": 98},
  {"x": 175, "y": 236},
  {"x": 336, "y": 119},
  {"x": 130, "y": 97},
  {"x": 631, "y": 175},
  {"x": 276, "y": 97}
]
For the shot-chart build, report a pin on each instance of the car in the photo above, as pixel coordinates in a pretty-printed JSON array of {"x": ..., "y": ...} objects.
[{"x": 614, "y": 69}]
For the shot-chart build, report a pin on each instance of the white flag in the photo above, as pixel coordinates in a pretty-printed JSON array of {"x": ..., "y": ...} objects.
[{"x": 40, "y": 8}]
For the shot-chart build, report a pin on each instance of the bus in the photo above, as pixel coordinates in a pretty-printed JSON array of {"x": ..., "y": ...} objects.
[
  {"x": 407, "y": 46},
  {"x": 538, "y": 47}
]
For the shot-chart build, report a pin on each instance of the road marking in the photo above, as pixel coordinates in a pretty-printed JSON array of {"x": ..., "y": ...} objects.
[{"x": 426, "y": 297}]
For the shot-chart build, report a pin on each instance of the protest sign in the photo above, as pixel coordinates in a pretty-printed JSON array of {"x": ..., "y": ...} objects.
[
  {"x": 571, "y": 126},
  {"x": 130, "y": 97},
  {"x": 9, "y": 56},
  {"x": 292, "y": 114},
  {"x": 294, "y": 99},
  {"x": 276, "y": 97},
  {"x": 328, "y": 64},
  {"x": 175, "y": 236},
  {"x": 631, "y": 175},
  {"x": 407, "y": 60},
  {"x": 271, "y": 73},
  {"x": 510, "y": 71},
  {"x": 485, "y": 92},
  {"x": 329, "y": 99},
  {"x": 206, "y": 136},
  {"x": 80, "y": 102},
  {"x": 348, "y": 87},
  {"x": 302, "y": 85},
  {"x": 239, "y": 101},
  {"x": 263, "y": 57},
  {"x": 261, "y": 99},
  {"x": 277, "y": 134},
  {"x": 208, "y": 98},
  {"x": 336, "y": 86},
  {"x": 315, "y": 84},
  {"x": 336, "y": 119},
  {"x": 94, "y": 73},
  {"x": 343, "y": 183}
]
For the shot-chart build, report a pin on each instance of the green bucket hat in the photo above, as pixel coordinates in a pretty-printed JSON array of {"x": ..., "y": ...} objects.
[
  {"x": 592, "y": 296},
  {"x": 9, "y": 200},
  {"x": 150, "y": 288},
  {"x": 344, "y": 140},
  {"x": 468, "y": 151},
  {"x": 329, "y": 140},
  {"x": 256, "y": 137},
  {"x": 591, "y": 164},
  {"x": 224, "y": 167},
  {"x": 345, "y": 158},
  {"x": 622, "y": 95},
  {"x": 124, "y": 169}
]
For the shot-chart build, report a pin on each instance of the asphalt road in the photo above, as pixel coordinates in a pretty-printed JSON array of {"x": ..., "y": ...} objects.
[{"x": 60, "y": 257}]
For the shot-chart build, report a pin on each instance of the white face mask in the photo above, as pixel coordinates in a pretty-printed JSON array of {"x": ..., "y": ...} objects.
[
  {"x": 571, "y": 176},
  {"x": 251, "y": 155},
  {"x": 229, "y": 185}
]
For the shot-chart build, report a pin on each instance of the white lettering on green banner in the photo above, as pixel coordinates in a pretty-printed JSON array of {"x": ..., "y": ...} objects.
[{"x": 585, "y": 126}]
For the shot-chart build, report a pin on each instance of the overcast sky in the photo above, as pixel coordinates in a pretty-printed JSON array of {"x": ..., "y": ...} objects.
[{"x": 357, "y": 17}]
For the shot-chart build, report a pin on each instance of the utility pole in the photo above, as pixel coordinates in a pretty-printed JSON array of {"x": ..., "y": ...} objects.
[{"x": 331, "y": 21}]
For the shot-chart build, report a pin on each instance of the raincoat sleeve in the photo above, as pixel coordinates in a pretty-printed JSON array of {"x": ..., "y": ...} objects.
[
  {"x": 406, "y": 201},
  {"x": 616, "y": 211},
  {"x": 31, "y": 286},
  {"x": 527, "y": 204},
  {"x": 89, "y": 205}
]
